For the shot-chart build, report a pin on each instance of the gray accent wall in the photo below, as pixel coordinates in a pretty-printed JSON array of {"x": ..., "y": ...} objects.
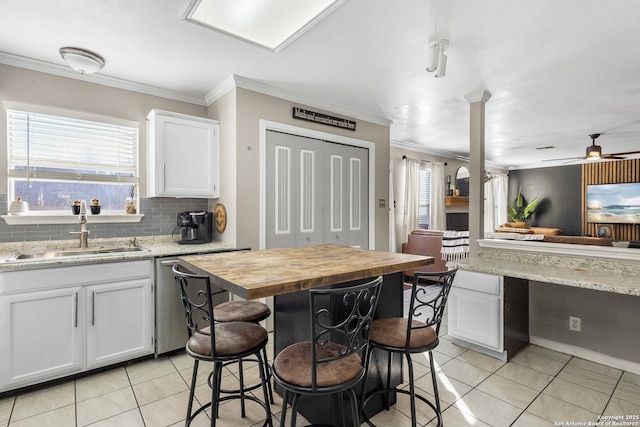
[
  {"x": 609, "y": 321},
  {"x": 159, "y": 219},
  {"x": 560, "y": 192}
]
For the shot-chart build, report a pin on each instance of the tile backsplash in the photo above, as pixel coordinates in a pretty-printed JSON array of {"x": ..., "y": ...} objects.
[{"x": 159, "y": 219}]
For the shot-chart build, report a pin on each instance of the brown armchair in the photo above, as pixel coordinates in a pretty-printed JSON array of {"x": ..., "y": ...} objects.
[{"x": 425, "y": 242}]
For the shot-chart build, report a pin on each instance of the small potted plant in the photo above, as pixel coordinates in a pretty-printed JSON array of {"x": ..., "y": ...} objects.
[
  {"x": 75, "y": 207},
  {"x": 95, "y": 206}
]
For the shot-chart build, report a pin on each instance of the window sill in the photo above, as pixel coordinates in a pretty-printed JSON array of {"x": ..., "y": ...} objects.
[{"x": 33, "y": 218}]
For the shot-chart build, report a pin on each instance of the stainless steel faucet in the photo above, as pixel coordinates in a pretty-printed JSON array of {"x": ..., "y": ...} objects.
[{"x": 82, "y": 219}]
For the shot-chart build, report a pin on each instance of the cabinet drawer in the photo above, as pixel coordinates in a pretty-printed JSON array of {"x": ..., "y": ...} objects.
[
  {"x": 79, "y": 275},
  {"x": 480, "y": 282}
]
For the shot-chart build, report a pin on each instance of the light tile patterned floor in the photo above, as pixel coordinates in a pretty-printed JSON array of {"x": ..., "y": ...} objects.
[
  {"x": 538, "y": 388},
  {"x": 475, "y": 390}
]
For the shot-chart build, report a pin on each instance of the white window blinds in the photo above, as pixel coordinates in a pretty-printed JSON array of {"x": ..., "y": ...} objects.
[
  {"x": 424, "y": 198},
  {"x": 61, "y": 148}
]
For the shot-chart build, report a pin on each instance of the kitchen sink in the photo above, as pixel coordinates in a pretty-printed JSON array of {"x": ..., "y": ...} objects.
[{"x": 35, "y": 255}]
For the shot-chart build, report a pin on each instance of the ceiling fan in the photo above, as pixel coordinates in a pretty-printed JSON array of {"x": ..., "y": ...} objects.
[{"x": 594, "y": 152}]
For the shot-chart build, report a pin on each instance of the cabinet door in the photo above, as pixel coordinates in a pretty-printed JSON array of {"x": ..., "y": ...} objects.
[
  {"x": 186, "y": 151},
  {"x": 42, "y": 336},
  {"x": 476, "y": 317},
  {"x": 119, "y": 321}
]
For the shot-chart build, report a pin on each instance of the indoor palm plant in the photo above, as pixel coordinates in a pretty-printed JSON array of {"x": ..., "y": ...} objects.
[{"x": 521, "y": 212}]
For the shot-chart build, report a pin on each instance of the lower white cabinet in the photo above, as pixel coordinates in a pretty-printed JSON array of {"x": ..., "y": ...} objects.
[
  {"x": 41, "y": 336},
  {"x": 118, "y": 334},
  {"x": 489, "y": 313},
  {"x": 61, "y": 321},
  {"x": 475, "y": 309}
]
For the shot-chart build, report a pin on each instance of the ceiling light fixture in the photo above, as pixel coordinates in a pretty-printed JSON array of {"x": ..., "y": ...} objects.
[
  {"x": 594, "y": 152},
  {"x": 437, "y": 58},
  {"x": 81, "y": 60}
]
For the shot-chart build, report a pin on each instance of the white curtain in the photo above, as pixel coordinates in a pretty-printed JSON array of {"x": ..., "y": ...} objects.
[
  {"x": 437, "y": 213},
  {"x": 411, "y": 190},
  {"x": 392, "y": 211},
  {"x": 489, "y": 207},
  {"x": 503, "y": 188}
]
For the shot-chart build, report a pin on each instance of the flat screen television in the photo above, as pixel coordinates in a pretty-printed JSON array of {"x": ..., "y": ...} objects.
[{"x": 614, "y": 203}]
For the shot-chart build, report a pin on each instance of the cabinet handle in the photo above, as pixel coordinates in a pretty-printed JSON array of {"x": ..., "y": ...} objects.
[
  {"x": 93, "y": 308},
  {"x": 171, "y": 262},
  {"x": 75, "y": 314},
  {"x": 164, "y": 167}
]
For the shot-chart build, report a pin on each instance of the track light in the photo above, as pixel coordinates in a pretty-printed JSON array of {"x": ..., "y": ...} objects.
[{"x": 437, "y": 58}]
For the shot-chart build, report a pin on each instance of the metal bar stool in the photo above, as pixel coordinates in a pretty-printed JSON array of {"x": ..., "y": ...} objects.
[
  {"x": 330, "y": 362},
  {"x": 219, "y": 343},
  {"x": 408, "y": 335},
  {"x": 245, "y": 311}
]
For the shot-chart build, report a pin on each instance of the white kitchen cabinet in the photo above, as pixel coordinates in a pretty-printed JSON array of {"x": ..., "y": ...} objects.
[
  {"x": 65, "y": 320},
  {"x": 489, "y": 313},
  {"x": 183, "y": 155},
  {"x": 120, "y": 322},
  {"x": 41, "y": 336},
  {"x": 475, "y": 309}
]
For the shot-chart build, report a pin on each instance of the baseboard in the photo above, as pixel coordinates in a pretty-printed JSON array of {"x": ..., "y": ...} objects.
[{"x": 583, "y": 353}]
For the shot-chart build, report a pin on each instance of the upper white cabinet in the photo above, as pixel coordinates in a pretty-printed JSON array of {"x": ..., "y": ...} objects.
[{"x": 183, "y": 155}]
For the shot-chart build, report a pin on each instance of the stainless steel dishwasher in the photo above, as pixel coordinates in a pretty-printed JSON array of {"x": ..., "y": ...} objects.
[{"x": 171, "y": 328}]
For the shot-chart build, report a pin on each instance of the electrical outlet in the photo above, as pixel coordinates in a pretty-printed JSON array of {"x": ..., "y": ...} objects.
[{"x": 575, "y": 323}]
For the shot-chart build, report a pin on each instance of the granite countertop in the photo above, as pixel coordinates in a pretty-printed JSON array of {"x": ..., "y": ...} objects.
[
  {"x": 602, "y": 275},
  {"x": 158, "y": 246}
]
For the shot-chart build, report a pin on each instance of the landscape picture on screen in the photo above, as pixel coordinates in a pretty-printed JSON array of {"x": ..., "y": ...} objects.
[{"x": 614, "y": 203}]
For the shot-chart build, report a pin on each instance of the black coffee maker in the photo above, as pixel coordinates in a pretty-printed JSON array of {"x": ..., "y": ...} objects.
[{"x": 195, "y": 227}]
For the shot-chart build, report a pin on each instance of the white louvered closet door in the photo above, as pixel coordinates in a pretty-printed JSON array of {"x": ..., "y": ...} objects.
[{"x": 317, "y": 192}]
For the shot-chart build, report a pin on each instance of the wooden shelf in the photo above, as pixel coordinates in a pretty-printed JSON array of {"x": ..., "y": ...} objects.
[{"x": 456, "y": 201}]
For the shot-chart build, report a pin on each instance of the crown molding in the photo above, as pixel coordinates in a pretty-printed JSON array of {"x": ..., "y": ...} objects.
[
  {"x": 255, "y": 86},
  {"x": 413, "y": 146},
  {"x": 101, "y": 79}
]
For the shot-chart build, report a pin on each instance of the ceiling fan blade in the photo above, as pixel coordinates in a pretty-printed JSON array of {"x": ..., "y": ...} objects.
[
  {"x": 612, "y": 157},
  {"x": 563, "y": 158},
  {"x": 625, "y": 153}
]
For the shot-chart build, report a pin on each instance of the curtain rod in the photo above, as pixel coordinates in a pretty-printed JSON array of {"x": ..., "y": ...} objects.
[{"x": 426, "y": 161}]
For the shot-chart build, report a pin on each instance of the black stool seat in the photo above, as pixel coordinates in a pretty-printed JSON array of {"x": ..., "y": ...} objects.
[
  {"x": 392, "y": 332},
  {"x": 241, "y": 311},
  {"x": 231, "y": 339},
  {"x": 292, "y": 365}
]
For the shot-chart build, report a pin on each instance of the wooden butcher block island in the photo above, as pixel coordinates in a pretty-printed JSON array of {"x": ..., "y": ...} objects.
[
  {"x": 270, "y": 272},
  {"x": 287, "y": 274}
]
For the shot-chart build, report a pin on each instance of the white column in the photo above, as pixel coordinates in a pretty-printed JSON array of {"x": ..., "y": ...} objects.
[{"x": 477, "y": 102}]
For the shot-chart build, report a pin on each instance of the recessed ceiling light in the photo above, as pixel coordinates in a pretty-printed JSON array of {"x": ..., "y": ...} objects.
[{"x": 272, "y": 24}]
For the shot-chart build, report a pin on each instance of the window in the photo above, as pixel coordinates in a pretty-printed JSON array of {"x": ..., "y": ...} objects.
[
  {"x": 424, "y": 199},
  {"x": 54, "y": 160}
]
